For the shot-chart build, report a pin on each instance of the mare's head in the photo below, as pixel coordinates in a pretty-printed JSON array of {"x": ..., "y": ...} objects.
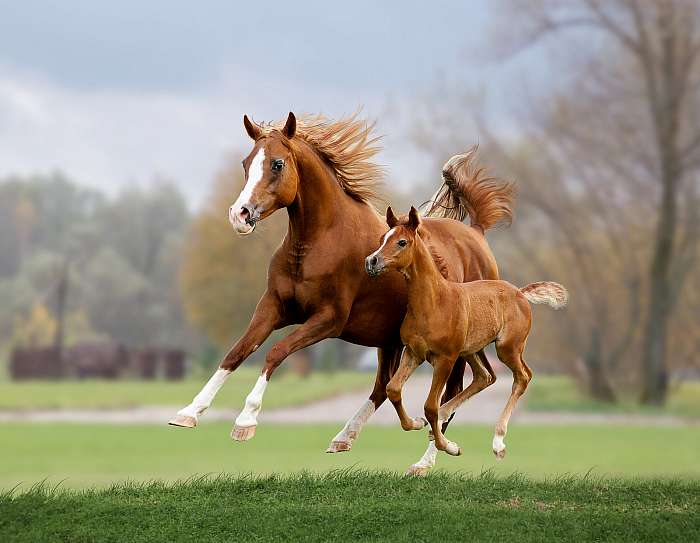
[
  {"x": 271, "y": 176},
  {"x": 397, "y": 245}
]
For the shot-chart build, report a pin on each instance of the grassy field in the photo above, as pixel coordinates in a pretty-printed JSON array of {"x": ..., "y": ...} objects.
[
  {"x": 81, "y": 455},
  {"x": 359, "y": 506},
  {"x": 560, "y": 393},
  {"x": 285, "y": 389}
]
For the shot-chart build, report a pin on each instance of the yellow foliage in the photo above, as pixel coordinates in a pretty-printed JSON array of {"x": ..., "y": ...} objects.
[
  {"x": 223, "y": 275},
  {"x": 38, "y": 329}
]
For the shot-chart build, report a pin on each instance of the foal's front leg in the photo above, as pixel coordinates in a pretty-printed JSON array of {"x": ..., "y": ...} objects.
[
  {"x": 319, "y": 326},
  {"x": 266, "y": 318},
  {"x": 409, "y": 362},
  {"x": 441, "y": 371}
]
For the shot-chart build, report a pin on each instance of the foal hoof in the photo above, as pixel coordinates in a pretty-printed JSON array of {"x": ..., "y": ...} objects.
[
  {"x": 417, "y": 471},
  {"x": 339, "y": 446},
  {"x": 419, "y": 423},
  {"x": 243, "y": 433},
  {"x": 500, "y": 454},
  {"x": 183, "y": 421}
]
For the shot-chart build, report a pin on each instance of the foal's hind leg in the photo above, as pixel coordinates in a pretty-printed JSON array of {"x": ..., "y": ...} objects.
[
  {"x": 387, "y": 362},
  {"x": 511, "y": 356},
  {"x": 482, "y": 377}
]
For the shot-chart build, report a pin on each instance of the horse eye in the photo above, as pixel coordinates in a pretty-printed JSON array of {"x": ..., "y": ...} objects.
[
  {"x": 277, "y": 165},
  {"x": 403, "y": 243}
]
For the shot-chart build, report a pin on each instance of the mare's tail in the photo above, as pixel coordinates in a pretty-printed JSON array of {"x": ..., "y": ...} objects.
[
  {"x": 467, "y": 190},
  {"x": 546, "y": 292}
]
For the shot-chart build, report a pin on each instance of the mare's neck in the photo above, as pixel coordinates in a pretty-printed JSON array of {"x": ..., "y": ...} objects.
[
  {"x": 424, "y": 280},
  {"x": 319, "y": 200}
]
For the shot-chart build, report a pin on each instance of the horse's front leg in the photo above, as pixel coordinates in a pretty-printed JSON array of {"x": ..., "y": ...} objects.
[
  {"x": 266, "y": 318},
  {"x": 321, "y": 325}
]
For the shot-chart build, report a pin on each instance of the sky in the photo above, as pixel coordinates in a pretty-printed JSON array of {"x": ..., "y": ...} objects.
[{"x": 115, "y": 94}]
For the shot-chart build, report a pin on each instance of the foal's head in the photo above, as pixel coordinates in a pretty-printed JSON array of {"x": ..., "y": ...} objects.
[
  {"x": 271, "y": 176},
  {"x": 397, "y": 245}
]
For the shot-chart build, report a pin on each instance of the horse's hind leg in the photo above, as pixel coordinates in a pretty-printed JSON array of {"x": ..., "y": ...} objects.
[
  {"x": 387, "y": 363},
  {"x": 511, "y": 356}
]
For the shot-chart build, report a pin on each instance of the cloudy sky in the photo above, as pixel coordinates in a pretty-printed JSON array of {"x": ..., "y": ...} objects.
[{"x": 120, "y": 93}]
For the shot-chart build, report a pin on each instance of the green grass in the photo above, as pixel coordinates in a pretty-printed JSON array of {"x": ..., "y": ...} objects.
[
  {"x": 561, "y": 393},
  {"x": 360, "y": 506},
  {"x": 81, "y": 455},
  {"x": 289, "y": 389}
]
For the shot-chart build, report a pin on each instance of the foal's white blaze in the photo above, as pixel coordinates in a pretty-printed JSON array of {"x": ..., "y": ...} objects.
[
  {"x": 253, "y": 402},
  {"x": 384, "y": 240},
  {"x": 353, "y": 426},
  {"x": 255, "y": 175},
  {"x": 203, "y": 400}
]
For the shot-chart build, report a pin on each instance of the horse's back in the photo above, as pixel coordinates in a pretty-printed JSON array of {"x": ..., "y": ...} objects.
[{"x": 464, "y": 249}]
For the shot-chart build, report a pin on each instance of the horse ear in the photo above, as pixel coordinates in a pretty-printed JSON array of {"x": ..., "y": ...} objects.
[
  {"x": 413, "y": 218},
  {"x": 290, "y": 126},
  {"x": 391, "y": 219},
  {"x": 253, "y": 130}
]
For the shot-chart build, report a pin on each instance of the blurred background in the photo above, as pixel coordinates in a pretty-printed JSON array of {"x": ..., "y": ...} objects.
[{"x": 121, "y": 280}]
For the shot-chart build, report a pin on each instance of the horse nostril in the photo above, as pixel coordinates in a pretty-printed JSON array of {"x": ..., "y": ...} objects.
[
  {"x": 373, "y": 261},
  {"x": 244, "y": 213}
]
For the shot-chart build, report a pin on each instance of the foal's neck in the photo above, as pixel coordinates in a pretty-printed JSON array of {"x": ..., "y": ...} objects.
[
  {"x": 319, "y": 199},
  {"x": 424, "y": 279}
]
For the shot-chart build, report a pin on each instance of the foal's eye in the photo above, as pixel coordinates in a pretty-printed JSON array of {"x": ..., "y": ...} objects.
[
  {"x": 277, "y": 165},
  {"x": 403, "y": 243}
]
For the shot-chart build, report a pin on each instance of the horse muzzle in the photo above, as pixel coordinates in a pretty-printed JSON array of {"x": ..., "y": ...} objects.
[{"x": 243, "y": 218}]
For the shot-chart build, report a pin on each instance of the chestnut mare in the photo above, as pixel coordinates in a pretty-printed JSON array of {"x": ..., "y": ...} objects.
[
  {"x": 321, "y": 172},
  {"x": 445, "y": 320}
]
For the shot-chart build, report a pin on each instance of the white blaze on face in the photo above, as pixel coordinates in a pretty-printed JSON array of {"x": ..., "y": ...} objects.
[
  {"x": 249, "y": 416},
  {"x": 384, "y": 241},
  {"x": 255, "y": 175},
  {"x": 203, "y": 400}
]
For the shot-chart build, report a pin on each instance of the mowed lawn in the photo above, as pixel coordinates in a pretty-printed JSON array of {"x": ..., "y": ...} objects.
[
  {"x": 361, "y": 506},
  {"x": 82, "y": 455},
  {"x": 285, "y": 389}
]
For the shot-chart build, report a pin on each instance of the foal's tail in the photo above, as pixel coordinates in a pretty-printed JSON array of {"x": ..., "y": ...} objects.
[
  {"x": 546, "y": 292},
  {"x": 467, "y": 190}
]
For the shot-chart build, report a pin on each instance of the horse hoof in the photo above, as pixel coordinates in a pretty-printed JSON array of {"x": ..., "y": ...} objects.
[
  {"x": 339, "y": 446},
  {"x": 243, "y": 433},
  {"x": 417, "y": 471},
  {"x": 500, "y": 454},
  {"x": 453, "y": 449},
  {"x": 419, "y": 423},
  {"x": 183, "y": 421}
]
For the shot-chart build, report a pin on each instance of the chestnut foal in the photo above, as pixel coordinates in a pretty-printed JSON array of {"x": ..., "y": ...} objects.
[{"x": 445, "y": 321}]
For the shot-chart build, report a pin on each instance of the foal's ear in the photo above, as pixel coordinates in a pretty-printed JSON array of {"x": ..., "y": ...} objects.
[
  {"x": 253, "y": 129},
  {"x": 290, "y": 127},
  {"x": 391, "y": 219},
  {"x": 413, "y": 218}
]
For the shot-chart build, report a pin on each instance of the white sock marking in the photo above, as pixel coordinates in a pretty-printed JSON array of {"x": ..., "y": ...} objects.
[
  {"x": 203, "y": 400},
  {"x": 353, "y": 426},
  {"x": 428, "y": 458},
  {"x": 498, "y": 444},
  {"x": 253, "y": 402}
]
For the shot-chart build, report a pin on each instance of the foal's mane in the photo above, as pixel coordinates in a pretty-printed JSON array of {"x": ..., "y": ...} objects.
[{"x": 347, "y": 145}]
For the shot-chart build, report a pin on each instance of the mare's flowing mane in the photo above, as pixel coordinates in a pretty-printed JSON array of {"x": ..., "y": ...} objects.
[{"x": 347, "y": 145}]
